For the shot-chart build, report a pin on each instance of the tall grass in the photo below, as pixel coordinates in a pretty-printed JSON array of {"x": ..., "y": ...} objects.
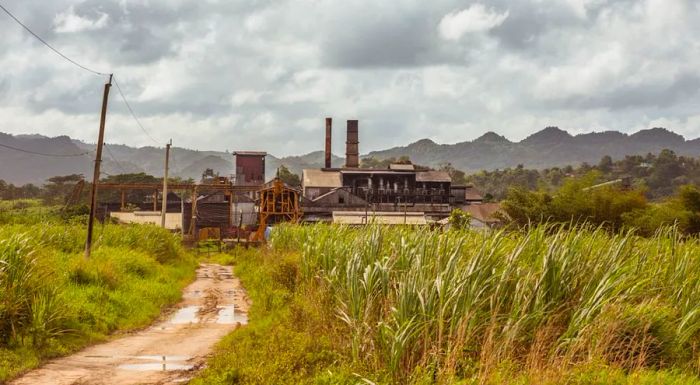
[
  {"x": 53, "y": 300},
  {"x": 423, "y": 305}
]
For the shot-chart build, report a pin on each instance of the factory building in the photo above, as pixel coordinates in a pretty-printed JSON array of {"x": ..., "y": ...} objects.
[
  {"x": 250, "y": 168},
  {"x": 401, "y": 188}
]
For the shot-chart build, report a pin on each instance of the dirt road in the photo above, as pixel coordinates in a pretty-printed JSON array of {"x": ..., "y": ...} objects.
[{"x": 165, "y": 353}]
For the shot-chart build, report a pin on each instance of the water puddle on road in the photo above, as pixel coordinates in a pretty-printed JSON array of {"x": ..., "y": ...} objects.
[
  {"x": 155, "y": 366},
  {"x": 228, "y": 315},
  {"x": 155, "y": 357},
  {"x": 157, "y": 363},
  {"x": 185, "y": 315}
]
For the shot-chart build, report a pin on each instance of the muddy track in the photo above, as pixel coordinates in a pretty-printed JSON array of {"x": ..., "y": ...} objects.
[{"x": 170, "y": 351}]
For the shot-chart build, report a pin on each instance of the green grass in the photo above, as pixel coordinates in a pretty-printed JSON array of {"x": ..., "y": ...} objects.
[
  {"x": 53, "y": 301},
  {"x": 551, "y": 305},
  {"x": 289, "y": 338}
]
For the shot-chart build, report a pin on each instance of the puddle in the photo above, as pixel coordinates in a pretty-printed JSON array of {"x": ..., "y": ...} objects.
[
  {"x": 154, "y": 357},
  {"x": 148, "y": 357},
  {"x": 155, "y": 366},
  {"x": 160, "y": 363},
  {"x": 185, "y": 315},
  {"x": 228, "y": 315},
  {"x": 193, "y": 294}
]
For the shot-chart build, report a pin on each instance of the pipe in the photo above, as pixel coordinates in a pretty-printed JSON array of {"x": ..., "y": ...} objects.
[
  {"x": 352, "y": 156},
  {"x": 329, "y": 124}
]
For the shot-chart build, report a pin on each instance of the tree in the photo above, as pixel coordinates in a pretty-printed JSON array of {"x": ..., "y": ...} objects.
[
  {"x": 523, "y": 206},
  {"x": 288, "y": 177},
  {"x": 459, "y": 219},
  {"x": 132, "y": 196},
  {"x": 458, "y": 177},
  {"x": 689, "y": 196},
  {"x": 681, "y": 210},
  {"x": 575, "y": 202},
  {"x": 59, "y": 188},
  {"x": 606, "y": 164}
]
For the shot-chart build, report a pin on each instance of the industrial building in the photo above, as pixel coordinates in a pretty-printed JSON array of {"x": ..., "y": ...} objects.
[
  {"x": 227, "y": 209},
  {"x": 401, "y": 188},
  {"x": 401, "y": 194}
]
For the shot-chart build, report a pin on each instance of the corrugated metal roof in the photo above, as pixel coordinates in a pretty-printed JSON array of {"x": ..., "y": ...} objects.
[
  {"x": 484, "y": 212},
  {"x": 251, "y": 153},
  {"x": 433, "y": 176},
  {"x": 401, "y": 166},
  {"x": 472, "y": 194},
  {"x": 381, "y": 218},
  {"x": 321, "y": 178},
  {"x": 376, "y": 172}
]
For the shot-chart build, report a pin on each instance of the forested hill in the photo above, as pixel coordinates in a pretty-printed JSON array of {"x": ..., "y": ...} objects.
[
  {"x": 549, "y": 147},
  {"x": 46, "y": 157}
]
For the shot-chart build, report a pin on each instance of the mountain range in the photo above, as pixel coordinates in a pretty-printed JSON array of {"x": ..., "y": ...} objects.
[{"x": 546, "y": 148}]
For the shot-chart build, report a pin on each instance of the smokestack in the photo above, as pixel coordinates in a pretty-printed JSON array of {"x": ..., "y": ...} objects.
[
  {"x": 329, "y": 124},
  {"x": 352, "y": 150}
]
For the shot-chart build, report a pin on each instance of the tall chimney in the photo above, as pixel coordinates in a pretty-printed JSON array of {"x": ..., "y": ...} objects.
[
  {"x": 329, "y": 124},
  {"x": 352, "y": 151}
]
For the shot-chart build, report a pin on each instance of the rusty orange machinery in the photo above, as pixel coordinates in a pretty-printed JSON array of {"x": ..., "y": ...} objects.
[{"x": 278, "y": 203}]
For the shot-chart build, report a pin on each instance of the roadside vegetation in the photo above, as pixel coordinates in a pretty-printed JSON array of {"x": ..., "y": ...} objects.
[
  {"x": 54, "y": 301},
  {"x": 613, "y": 207},
  {"x": 545, "y": 305}
]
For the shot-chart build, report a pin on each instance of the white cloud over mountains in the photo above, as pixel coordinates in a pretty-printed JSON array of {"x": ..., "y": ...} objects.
[
  {"x": 476, "y": 18},
  {"x": 217, "y": 74}
]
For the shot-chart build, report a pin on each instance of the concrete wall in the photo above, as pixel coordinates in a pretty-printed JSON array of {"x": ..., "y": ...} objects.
[{"x": 173, "y": 221}]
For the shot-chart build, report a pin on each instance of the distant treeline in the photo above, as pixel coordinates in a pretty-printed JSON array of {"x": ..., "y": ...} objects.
[
  {"x": 58, "y": 189},
  {"x": 659, "y": 176},
  {"x": 640, "y": 193}
]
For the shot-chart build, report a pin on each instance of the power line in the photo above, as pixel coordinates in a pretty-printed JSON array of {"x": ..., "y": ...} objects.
[
  {"x": 42, "y": 153},
  {"x": 128, "y": 106},
  {"x": 114, "y": 159},
  {"x": 49, "y": 45}
]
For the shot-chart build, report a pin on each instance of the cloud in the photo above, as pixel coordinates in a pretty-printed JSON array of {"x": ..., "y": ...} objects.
[
  {"x": 237, "y": 75},
  {"x": 68, "y": 21},
  {"x": 476, "y": 18}
]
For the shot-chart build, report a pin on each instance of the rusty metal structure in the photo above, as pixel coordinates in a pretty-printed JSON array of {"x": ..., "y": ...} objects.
[
  {"x": 250, "y": 168},
  {"x": 195, "y": 190},
  {"x": 352, "y": 145},
  {"x": 278, "y": 203},
  {"x": 74, "y": 196},
  {"x": 329, "y": 129}
]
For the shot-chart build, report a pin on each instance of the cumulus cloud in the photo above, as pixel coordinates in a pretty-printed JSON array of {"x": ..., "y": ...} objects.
[
  {"x": 476, "y": 18},
  {"x": 68, "y": 21}
]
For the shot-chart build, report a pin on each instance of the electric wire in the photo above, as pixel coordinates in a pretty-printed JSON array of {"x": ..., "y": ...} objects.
[
  {"x": 114, "y": 159},
  {"x": 43, "y": 153},
  {"x": 49, "y": 45},
  {"x": 128, "y": 106},
  {"x": 121, "y": 93}
]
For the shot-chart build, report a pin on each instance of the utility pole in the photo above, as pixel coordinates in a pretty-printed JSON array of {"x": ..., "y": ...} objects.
[
  {"x": 96, "y": 173},
  {"x": 164, "y": 205}
]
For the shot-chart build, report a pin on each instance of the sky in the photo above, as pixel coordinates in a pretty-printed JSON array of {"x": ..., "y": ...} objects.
[{"x": 263, "y": 74}]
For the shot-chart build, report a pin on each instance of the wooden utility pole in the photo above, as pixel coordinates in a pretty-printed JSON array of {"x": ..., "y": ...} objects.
[
  {"x": 96, "y": 173},
  {"x": 164, "y": 207}
]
